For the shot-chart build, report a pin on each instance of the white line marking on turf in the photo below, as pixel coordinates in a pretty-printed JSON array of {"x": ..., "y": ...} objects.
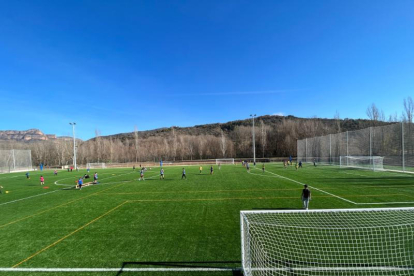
[
  {"x": 355, "y": 203},
  {"x": 322, "y": 191},
  {"x": 8, "y": 202},
  {"x": 149, "y": 269}
]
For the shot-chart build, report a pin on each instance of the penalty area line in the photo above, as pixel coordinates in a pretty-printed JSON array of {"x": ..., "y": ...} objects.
[
  {"x": 344, "y": 199},
  {"x": 322, "y": 191}
]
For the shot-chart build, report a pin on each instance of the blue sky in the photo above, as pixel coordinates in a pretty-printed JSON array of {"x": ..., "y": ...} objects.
[{"x": 111, "y": 65}]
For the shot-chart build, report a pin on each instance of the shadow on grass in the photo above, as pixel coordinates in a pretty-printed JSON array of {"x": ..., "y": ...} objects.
[{"x": 187, "y": 265}]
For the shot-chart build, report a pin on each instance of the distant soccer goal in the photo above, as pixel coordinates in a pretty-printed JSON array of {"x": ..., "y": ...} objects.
[
  {"x": 225, "y": 161},
  {"x": 15, "y": 160},
  {"x": 328, "y": 242},
  {"x": 375, "y": 163},
  {"x": 96, "y": 166}
]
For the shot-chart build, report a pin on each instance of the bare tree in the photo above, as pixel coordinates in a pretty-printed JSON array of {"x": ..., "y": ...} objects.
[
  {"x": 174, "y": 142},
  {"x": 263, "y": 137},
  {"x": 98, "y": 141},
  {"x": 409, "y": 110},
  {"x": 223, "y": 145},
  {"x": 337, "y": 122},
  {"x": 136, "y": 143},
  {"x": 375, "y": 114}
]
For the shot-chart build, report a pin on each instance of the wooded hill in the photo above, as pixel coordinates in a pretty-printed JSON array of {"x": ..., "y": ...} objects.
[
  {"x": 329, "y": 125},
  {"x": 275, "y": 136}
]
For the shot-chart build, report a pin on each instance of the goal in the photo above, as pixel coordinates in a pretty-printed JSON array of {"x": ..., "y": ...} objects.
[
  {"x": 225, "y": 161},
  {"x": 375, "y": 163},
  {"x": 96, "y": 165},
  {"x": 377, "y": 241},
  {"x": 15, "y": 160}
]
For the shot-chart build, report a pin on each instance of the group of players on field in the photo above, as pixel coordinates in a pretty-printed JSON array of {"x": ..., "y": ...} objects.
[{"x": 306, "y": 194}]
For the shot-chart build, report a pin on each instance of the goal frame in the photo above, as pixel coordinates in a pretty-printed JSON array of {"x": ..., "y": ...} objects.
[
  {"x": 100, "y": 165},
  {"x": 246, "y": 266},
  {"x": 225, "y": 161},
  {"x": 371, "y": 166}
]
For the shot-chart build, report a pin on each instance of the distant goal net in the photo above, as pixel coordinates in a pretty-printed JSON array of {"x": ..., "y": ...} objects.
[
  {"x": 375, "y": 163},
  {"x": 225, "y": 161},
  {"x": 15, "y": 160},
  {"x": 95, "y": 166},
  {"x": 328, "y": 242}
]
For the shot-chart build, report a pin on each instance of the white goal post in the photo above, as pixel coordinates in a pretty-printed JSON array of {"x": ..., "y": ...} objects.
[
  {"x": 378, "y": 241},
  {"x": 225, "y": 161},
  {"x": 375, "y": 163},
  {"x": 95, "y": 165}
]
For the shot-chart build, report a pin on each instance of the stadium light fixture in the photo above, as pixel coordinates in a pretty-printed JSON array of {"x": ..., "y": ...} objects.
[
  {"x": 254, "y": 141},
  {"x": 74, "y": 144}
]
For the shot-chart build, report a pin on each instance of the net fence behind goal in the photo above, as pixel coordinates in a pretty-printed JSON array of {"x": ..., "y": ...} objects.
[
  {"x": 95, "y": 166},
  {"x": 15, "y": 160},
  {"x": 225, "y": 161},
  {"x": 394, "y": 142},
  {"x": 328, "y": 242}
]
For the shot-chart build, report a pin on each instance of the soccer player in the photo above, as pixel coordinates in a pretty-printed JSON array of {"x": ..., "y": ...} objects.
[
  {"x": 306, "y": 197},
  {"x": 201, "y": 169},
  {"x": 133, "y": 168},
  {"x": 42, "y": 180},
  {"x": 296, "y": 166},
  {"x": 95, "y": 178},
  {"x": 80, "y": 183},
  {"x": 88, "y": 170},
  {"x": 300, "y": 164},
  {"x": 27, "y": 175},
  {"x": 263, "y": 167},
  {"x": 142, "y": 175},
  {"x": 219, "y": 166},
  {"x": 183, "y": 175},
  {"x": 314, "y": 162},
  {"x": 1, "y": 187},
  {"x": 247, "y": 167},
  {"x": 211, "y": 170},
  {"x": 162, "y": 173},
  {"x": 284, "y": 164}
]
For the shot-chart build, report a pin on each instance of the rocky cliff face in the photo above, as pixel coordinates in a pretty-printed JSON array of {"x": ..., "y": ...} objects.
[{"x": 26, "y": 135}]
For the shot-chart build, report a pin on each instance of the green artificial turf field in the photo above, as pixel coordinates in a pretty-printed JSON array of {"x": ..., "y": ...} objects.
[{"x": 168, "y": 224}]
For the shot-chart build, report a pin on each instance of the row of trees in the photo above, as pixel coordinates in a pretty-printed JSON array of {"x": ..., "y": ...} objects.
[{"x": 278, "y": 140}]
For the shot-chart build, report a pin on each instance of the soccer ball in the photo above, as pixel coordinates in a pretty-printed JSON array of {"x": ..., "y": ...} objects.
[{"x": 7, "y": 192}]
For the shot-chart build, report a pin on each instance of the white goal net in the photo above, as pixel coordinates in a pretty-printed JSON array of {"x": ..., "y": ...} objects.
[
  {"x": 225, "y": 161},
  {"x": 15, "y": 160},
  {"x": 328, "y": 242},
  {"x": 375, "y": 163},
  {"x": 95, "y": 166}
]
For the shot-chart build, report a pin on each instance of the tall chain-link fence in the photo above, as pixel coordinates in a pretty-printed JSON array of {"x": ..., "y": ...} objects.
[
  {"x": 394, "y": 142},
  {"x": 15, "y": 160}
]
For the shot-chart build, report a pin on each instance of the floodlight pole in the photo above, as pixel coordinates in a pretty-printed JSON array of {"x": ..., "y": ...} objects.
[
  {"x": 254, "y": 141},
  {"x": 74, "y": 144}
]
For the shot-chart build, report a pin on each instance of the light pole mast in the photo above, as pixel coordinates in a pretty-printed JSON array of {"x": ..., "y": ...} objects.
[
  {"x": 254, "y": 141},
  {"x": 74, "y": 144}
]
